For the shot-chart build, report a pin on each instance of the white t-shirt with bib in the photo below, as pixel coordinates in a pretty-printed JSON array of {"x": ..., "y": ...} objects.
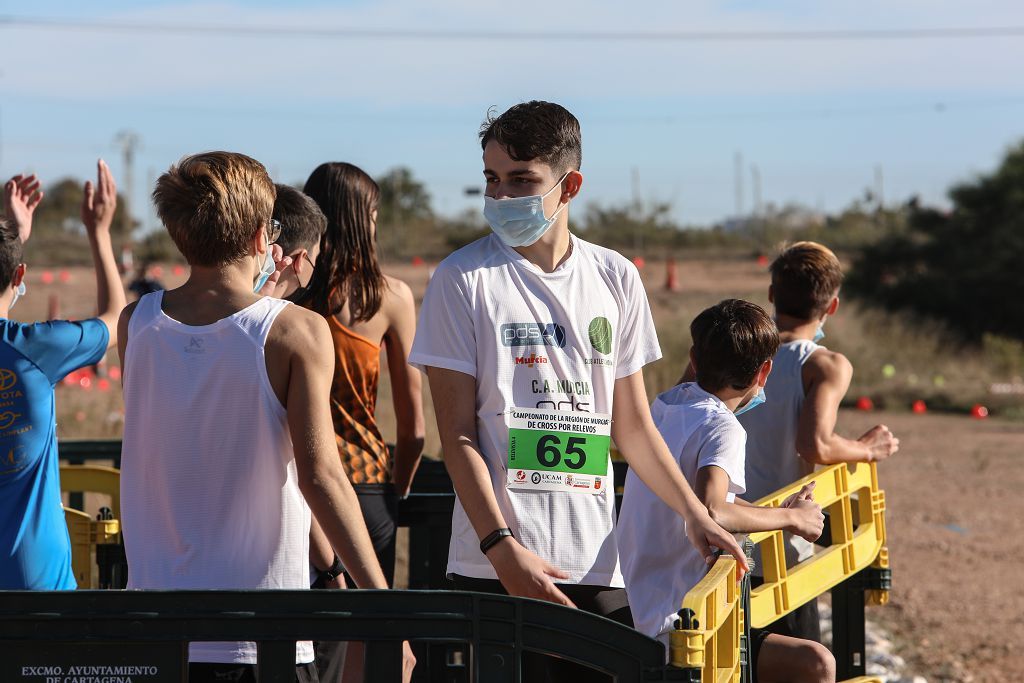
[
  {"x": 658, "y": 561},
  {"x": 535, "y": 341}
]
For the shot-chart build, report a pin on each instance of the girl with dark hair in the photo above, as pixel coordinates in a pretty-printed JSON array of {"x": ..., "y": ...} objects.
[{"x": 365, "y": 310}]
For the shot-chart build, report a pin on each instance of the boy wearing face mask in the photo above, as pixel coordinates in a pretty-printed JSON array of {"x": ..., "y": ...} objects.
[
  {"x": 795, "y": 430},
  {"x": 227, "y": 415},
  {"x": 533, "y": 341},
  {"x": 35, "y": 550},
  {"x": 733, "y": 343}
]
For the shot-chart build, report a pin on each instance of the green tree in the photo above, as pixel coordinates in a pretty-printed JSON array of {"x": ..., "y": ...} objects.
[
  {"x": 961, "y": 266},
  {"x": 403, "y": 198}
]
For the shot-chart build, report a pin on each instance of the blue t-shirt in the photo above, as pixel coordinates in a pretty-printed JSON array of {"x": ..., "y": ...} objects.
[{"x": 35, "y": 549}]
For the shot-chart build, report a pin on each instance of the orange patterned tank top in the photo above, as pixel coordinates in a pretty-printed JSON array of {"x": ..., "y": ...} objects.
[{"x": 361, "y": 446}]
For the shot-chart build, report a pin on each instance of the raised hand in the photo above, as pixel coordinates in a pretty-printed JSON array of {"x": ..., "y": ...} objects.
[
  {"x": 100, "y": 201},
  {"x": 880, "y": 442},
  {"x": 525, "y": 575},
  {"x": 21, "y": 197},
  {"x": 273, "y": 287}
]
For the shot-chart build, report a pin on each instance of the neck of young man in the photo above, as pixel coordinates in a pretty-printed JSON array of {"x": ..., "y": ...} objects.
[
  {"x": 227, "y": 280},
  {"x": 729, "y": 396},
  {"x": 5, "y": 303},
  {"x": 794, "y": 329},
  {"x": 553, "y": 248}
]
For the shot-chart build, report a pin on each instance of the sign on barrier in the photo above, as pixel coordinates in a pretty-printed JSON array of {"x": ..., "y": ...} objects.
[{"x": 62, "y": 662}]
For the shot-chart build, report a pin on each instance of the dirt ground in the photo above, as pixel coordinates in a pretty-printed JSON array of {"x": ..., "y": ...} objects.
[{"x": 954, "y": 518}]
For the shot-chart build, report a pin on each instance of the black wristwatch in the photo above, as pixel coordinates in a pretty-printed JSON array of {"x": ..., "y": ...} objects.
[
  {"x": 492, "y": 539},
  {"x": 325, "y": 575}
]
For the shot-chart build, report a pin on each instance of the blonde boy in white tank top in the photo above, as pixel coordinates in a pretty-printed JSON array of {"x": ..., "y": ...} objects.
[
  {"x": 795, "y": 430},
  {"x": 227, "y": 422}
]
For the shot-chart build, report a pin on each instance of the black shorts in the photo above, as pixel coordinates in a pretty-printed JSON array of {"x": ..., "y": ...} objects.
[
  {"x": 379, "y": 506},
  {"x": 203, "y": 672},
  {"x": 601, "y": 600}
]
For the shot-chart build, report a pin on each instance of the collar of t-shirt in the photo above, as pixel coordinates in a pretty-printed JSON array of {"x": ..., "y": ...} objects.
[
  {"x": 690, "y": 393},
  {"x": 562, "y": 270}
]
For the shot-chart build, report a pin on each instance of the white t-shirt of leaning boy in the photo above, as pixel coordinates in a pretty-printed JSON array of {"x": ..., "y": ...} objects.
[
  {"x": 659, "y": 563},
  {"x": 546, "y": 350}
]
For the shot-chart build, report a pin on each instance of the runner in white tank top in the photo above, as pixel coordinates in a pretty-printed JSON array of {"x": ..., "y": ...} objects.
[{"x": 211, "y": 484}]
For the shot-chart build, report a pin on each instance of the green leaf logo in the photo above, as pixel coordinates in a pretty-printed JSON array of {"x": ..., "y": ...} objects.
[{"x": 601, "y": 334}]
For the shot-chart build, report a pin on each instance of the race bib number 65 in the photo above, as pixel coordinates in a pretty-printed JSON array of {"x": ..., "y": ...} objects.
[{"x": 554, "y": 450}]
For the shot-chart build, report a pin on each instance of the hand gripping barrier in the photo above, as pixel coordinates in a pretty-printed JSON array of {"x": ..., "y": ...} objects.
[{"x": 855, "y": 532}]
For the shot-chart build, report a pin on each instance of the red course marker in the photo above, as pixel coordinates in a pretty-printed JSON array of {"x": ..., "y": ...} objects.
[
  {"x": 103, "y": 385},
  {"x": 639, "y": 262},
  {"x": 85, "y": 382},
  {"x": 762, "y": 260},
  {"x": 65, "y": 276},
  {"x": 114, "y": 372},
  {"x": 865, "y": 403},
  {"x": 919, "y": 407},
  {"x": 47, "y": 277},
  {"x": 979, "y": 412},
  {"x": 417, "y": 261},
  {"x": 179, "y": 270}
]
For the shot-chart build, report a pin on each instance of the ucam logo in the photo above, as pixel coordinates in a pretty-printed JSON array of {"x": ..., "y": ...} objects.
[{"x": 532, "y": 334}]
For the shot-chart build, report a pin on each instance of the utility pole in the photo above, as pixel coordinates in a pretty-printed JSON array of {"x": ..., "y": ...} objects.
[
  {"x": 638, "y": 238},
  {"x": 738, "y": 178},
  {"x": 129, "y": 143},
  {"x": 755, "y": 188},
  {"x": 879, "y": 187}
]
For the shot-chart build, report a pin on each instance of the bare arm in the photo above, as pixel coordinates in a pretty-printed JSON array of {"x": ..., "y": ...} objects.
[
  {"x": 321, "y": 477},
  {"x": 641, "y": 444},
  {"x": 406, "y": 387},
  {"x": 98, "y": 206},
  {"x": 826, "y": 377},
  {"x": 520, "y": 571},
  {"x": 802, "y": 517}
]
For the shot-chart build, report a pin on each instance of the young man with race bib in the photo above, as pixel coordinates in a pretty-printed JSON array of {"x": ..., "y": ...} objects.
[{"x": 533, "y": 341}]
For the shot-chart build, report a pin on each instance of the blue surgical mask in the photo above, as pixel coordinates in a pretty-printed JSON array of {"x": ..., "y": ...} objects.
[
  {"x": 18, "y": 293},
  {"x": 520, "y": 221},
  {"x": 819, "y": 333},
  {"x": 265, "y": 272},
  {"x": 757, "y": 400}
]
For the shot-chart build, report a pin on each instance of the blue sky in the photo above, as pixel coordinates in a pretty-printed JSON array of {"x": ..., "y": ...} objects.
[{"x": 815, "y": 117}]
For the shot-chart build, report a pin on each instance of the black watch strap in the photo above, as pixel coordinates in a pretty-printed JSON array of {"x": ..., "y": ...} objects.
[
  {"x": 331, "y": 574},
  {"x": 492, "y": 539}
]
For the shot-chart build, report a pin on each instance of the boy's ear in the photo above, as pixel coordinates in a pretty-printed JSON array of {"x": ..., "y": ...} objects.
[
  {"x": 762, "y": 374},
  {"x": 833, "y": 306},
  {"x": 571, "y": 185},
  {"x": 19, "y": 274}
]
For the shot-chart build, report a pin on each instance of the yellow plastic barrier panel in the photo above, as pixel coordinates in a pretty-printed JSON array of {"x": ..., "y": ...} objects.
[
  {"x": 93, "y": 479},
  {"x": 85, "y": 534},
  {"x": 712, "y": 622},
  {"x": 851, "y": 495}
]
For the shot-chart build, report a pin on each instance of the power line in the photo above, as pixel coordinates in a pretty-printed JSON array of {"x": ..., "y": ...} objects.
[{"x": 356, "y": 33}]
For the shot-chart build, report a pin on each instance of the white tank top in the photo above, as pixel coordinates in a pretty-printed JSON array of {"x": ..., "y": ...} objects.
[
  {"x": 208, "y": 482},
  {"x": 772, "y": 459}
]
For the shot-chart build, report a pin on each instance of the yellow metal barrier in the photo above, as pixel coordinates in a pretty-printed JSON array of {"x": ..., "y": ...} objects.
[
  {"x": 856, "y": 507},
  {"x": 85, "y": 534},
  {"x": 711, "y": 640},
  {"x": 93, "y": 479}
]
